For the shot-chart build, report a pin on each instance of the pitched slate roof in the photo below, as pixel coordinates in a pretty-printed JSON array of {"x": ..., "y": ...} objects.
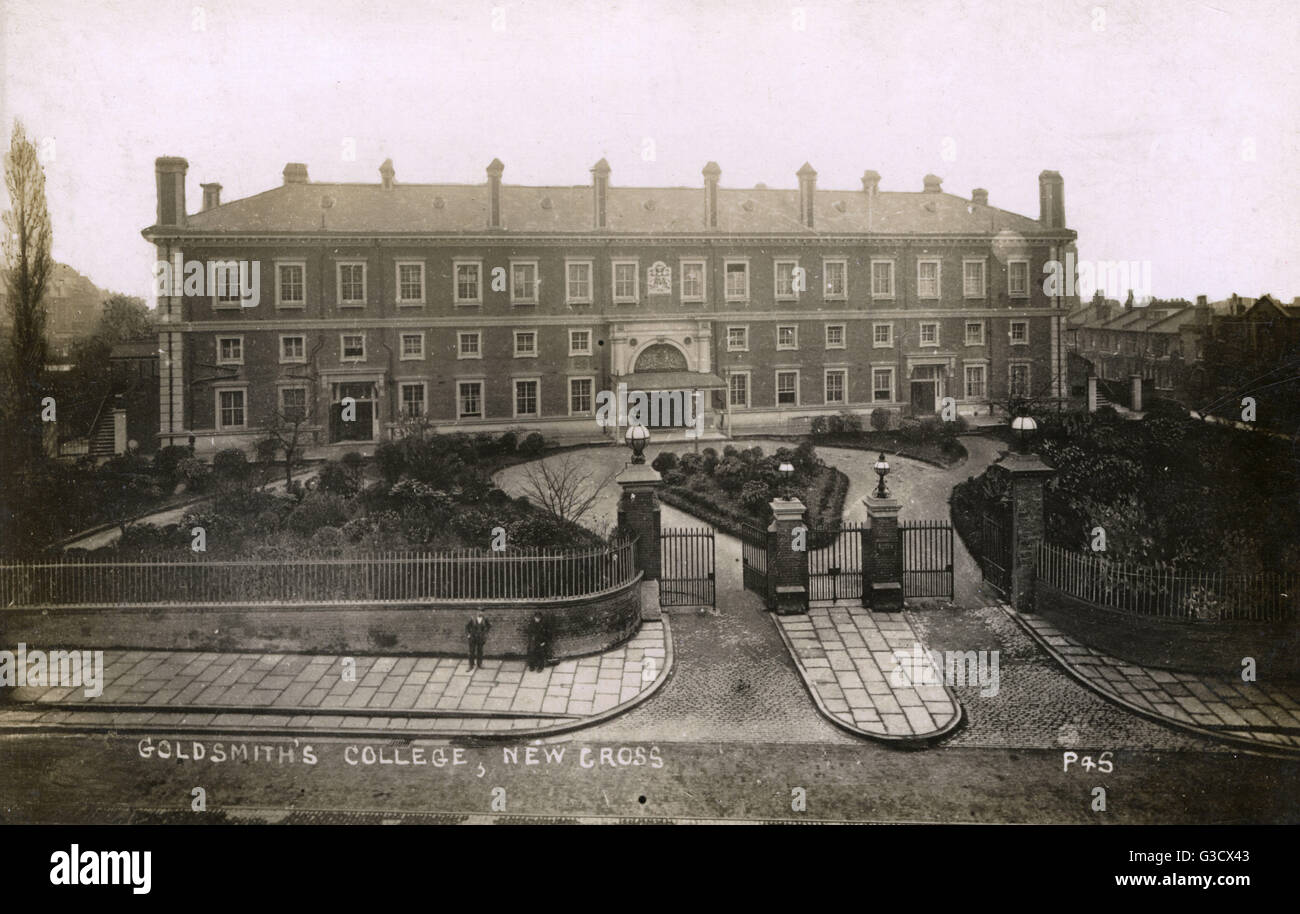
[{"x": 443, "y": 208}]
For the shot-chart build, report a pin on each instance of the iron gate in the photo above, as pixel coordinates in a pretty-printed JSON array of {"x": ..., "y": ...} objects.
[
  {"x": 836, "y": 571},
  {"x": 995, "y": 552},
  {"x": 686, "y": 575},
  {"x": 927, "y": 558},
  {"x": 753, "y": 555}
]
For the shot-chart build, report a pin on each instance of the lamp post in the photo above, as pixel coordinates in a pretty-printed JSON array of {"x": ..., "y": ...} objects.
[
  {"x": 638, "y": 436},
  {"x": 882, "y": 470},
  {"x": 1023, "y": 427},
  {"x": 787, "y": 475}
]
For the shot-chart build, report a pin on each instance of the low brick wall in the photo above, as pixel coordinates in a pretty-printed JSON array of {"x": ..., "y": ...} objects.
[
  {"x": 1202, "y": 647},
  {"x": 579, "y": 626}
]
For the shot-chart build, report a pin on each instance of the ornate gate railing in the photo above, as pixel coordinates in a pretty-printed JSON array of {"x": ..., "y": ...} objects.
[
  {"x": 686, "y": 570},
  {"x": 837, "y": 572},
  {"x": 995, "y": 552},
  {"x": 753, "y": 553},
  {"x": 927, "y": 558}
]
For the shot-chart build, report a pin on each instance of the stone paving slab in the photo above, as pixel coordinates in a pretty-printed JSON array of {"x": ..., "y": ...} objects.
[
  {"x": 1218, "y": 707},
  {"x": 859, "y": 688},
  {"x": 425, "y": 695}
]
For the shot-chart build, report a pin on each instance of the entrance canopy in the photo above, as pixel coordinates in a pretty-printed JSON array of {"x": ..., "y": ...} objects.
[{"x": 672, "y": 380}]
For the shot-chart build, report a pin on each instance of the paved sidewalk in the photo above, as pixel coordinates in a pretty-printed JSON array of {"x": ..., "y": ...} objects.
[
  {"x": 1219, "y": 707},
  {"x": 845, "y": 655},
  {"x": 426, "y": 695}
]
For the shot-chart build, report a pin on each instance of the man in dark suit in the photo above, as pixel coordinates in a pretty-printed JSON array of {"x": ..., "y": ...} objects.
[
  {"x": 477, "y": 631},
  {"x": 539, "y": 642}
]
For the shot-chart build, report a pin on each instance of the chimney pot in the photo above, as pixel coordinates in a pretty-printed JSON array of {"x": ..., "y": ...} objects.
[
  {"x": 807, "y": 193},
  {"x": 979, "y": 196},
  {"x": 386, "y": 174},
  {"x": 933, "y": 184},
  {"x": 169, "y": 172},
  {"x": 871, "y": 181},
  {"x": 295, "y": 173}
]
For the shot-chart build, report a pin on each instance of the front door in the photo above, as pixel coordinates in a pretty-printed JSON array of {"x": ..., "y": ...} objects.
[
  {"x": 923, "y": 397},
  {"x": 359, "y": 423}
]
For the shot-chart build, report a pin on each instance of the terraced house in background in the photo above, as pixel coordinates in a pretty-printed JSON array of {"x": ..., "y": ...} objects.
[{"x": 495, "y": 306}]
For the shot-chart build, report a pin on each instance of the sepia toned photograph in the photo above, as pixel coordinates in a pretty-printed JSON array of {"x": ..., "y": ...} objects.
[{"x": 717, "y": 412}]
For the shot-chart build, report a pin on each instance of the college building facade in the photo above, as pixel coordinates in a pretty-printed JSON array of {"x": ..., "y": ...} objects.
[{"x": 353, "y": 310}]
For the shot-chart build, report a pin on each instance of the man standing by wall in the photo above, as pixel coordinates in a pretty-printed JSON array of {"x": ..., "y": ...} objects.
[
  {"x": 476, "y": 630},
  {"x": 539, "y": 642}
]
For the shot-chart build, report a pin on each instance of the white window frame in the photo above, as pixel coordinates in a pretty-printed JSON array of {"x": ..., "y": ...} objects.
[
  {"x": 401, "y": 346},
  {"x": 514, "y": 397},
  {"x": 920, "y": 334},
  {"x": 515, "y": 298},
  {"x": 614, "y": 264},
  {"x": 875, "y": 343},
  {"x": 218, "y": 303},
  {"x": 220, "y": 426},
  {"x": 591, "y": 347},
  {"x": 456, "y": 264},
  {"x": 397, "y": 288},
  {"x": 703, "y": 264},
  {"x": 460, "y": 348},
  {"x": 482, "y": 398},
  {"x": 745, "y": 329},
  {"x": 984, "y": 277},
  {"x": 401, "y": 400},
  {"x": 343, "y": 346},
  {"x": 938, "y": 278},
  {"x": 966, "y": 325},
  {"x": 844, "y": 336},
  {"x": 984, "y": 380},
  {"x": 306, "y": 399},
  {"x": 591, "y": 379},
  {"x": 280, "y": 301},
  {"x": 230, "y": 336},
  {"x": 1011, "y": 333},
  {"x": 1029, "y": 378},
  {"x": 789, "y": 346},
  {"x": 893, "y": 284},
  {"x": 726, "y": 292},
  {"x": 1012, "y": 293},
  {"x": 338, "y": 283},
  {"x": 777, "y": 294},
  {"x": 893, "y": 383},
  {"x": 519, "y": 354},
  {"x": 776, "y": 387},
  {"x": 749, "y": 396},
  {"x": 844, "y": 266},
  {"x": 569, "y": 297},
  {"x": 297, "y": 360},
  {"x": 843, "y": 373}
]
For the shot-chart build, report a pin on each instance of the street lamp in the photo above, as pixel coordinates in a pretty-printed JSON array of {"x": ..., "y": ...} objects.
[
  {"x": 882, "y": 470},
  {"x": 638, "y": 436},
  {"x": 1023, "y": 428},
  {"x": 787, "y": 474}
]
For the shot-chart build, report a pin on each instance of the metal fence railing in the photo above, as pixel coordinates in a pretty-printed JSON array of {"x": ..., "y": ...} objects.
[
  {"x": 384, "y": 577},
  {"x": 1169, "y": 592}
]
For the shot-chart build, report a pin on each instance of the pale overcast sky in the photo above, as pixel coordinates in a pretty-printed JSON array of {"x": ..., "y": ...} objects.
[{"x": 1173, "y": 123}]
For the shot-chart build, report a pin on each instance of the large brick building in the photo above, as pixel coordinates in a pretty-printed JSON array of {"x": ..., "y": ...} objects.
[{"x": 495, "y": 306}]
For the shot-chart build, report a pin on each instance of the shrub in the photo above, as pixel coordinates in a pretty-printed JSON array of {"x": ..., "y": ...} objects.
[
  {"x": 231, "y": 464},
  {"x": 731, "y": 474},
  {"x": 673, "y": 477},
  {"x": 1163, "y": 408},
  {"x": 700, "y": 483},
  {"x": 168, "y": 459},
  {"x": 336, "y": 479},
  {"x": 507, "y": 443},
  {"x": 819, "y": 426},
  {"x": 754, "y": 497},
  {"x": 880, "y": 418},
  {"x": 532, "y": 445},
  {"x": 834, "y": 425},
  {"x": 390, "y": 457},
  {"x": 330, "y": 538},
  {"x": 355, "y": 464},
  {"x": 266, "y": 449},
  {"x": 485, "y": 445},
  {"x": 319, "y": 509},
  {"x": 730, "y": 451},
  {"x": 710, "y": 460},
  {"x": 664, "y": 462},
  {"x": 850, "y": 423},
  {"x": 194, "y": 473},
  {"x": 690, "y": 464},
  {"x": 267, "y": 522}
]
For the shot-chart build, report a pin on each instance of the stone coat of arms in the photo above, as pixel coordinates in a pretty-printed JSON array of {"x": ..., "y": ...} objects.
[{"x": 659, "y": 279}]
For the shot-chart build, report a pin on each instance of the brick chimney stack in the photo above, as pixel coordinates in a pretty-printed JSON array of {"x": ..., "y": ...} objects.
[
  {"x": 600, "y": 193},
  {"x": 295, "y": 173},
  {"x": 871, "y": 182},
  {"x": 807, "y": 192},
  {"x": 711, "y": 175},
  {"x": 1051, "y": 200},
  {"x": 495, "y": 170},
  {"x": 386, "y": 174},
  {"x": 211, "y": 196},
  {"x": 979, "y": 196},
  {"x": 933, "y": 184},
  {"x": 170, "y": 174}
]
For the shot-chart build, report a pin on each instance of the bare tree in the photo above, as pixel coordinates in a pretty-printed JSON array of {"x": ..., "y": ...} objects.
[
  {"x": 284, "y": 435},
  {"x": 27, "y": 269},
  {"x": 563, "y": 487}
]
